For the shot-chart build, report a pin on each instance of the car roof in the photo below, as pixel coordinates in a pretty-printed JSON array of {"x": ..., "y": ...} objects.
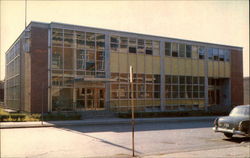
[{"x": 243, "y": 106}]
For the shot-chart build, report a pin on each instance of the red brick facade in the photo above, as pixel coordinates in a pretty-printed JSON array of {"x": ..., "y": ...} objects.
[
  {"x": 39, "y": 69},
  {"x": 237, "y": 96}
]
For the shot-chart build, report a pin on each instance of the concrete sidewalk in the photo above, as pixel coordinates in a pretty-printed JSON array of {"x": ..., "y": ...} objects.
[
  {"x": 236, "y": 151},
  {"x": 100, "y": 121}
]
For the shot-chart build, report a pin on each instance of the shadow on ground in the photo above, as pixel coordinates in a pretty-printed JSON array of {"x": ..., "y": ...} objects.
[
  {"x": 238, "y": 139},
  {"x": 140, "y": 127}
]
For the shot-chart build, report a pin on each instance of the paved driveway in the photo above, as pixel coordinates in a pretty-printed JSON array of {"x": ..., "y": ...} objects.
[{"x": 112, "y": 140}]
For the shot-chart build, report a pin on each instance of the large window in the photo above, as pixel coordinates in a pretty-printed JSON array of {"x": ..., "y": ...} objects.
[
  {"x": 184, "y": 87},
  {"x": 85, "y": 50}
]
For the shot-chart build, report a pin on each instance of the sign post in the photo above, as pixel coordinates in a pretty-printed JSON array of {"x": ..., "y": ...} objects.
[{"x": 132, "y": 109}]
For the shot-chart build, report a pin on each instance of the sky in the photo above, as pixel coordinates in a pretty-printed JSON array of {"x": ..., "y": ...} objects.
[{"x": 223, "y": 22}]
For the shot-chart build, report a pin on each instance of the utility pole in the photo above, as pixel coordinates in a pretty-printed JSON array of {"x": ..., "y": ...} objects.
[
  {"x": 42, "y": 100},
  {"x": 25, "y": 19},
  {"x": 132, "y": 110}
]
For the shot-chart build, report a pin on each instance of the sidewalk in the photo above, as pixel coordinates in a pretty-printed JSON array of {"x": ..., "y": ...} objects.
[
  {"x": 100, "y": 121},
  {"x": 237, "y": 151}
]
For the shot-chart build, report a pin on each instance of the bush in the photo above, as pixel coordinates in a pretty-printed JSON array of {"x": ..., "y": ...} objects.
[
  {"x": 4, "y": 117},
  {"x": 16, "y": 117}
]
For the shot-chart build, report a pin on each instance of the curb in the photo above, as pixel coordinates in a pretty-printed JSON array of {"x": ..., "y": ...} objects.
[{"x": 109, "y": 122}]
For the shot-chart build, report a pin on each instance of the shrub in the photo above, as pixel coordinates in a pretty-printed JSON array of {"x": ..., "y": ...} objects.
[
  {"x": 16, "y": 117},
  {"x": 4, "y": 117}
]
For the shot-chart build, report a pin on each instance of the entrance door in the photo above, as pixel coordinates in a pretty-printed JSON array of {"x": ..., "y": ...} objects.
[{"x": 94, "y": 98}]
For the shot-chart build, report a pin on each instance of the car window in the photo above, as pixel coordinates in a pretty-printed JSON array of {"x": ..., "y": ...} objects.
[{"x": 240, "y": 112}]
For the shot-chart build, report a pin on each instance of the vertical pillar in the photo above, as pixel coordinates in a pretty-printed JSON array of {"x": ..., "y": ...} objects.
[
  {"x": 206, "y": 78},
  {"x": 49, "y": 86},
  {"x": 162, "y": 67},
  {"x": 107, "y": 71}
]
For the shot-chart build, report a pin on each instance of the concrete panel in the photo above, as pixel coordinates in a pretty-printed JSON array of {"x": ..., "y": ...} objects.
[
  {"x": 167, "y": 65},
  {"x": 148, "y": 64},
  {"x": 188, "y": 70},
  {"x": 216, "y": 69},
  {"x": 132, "y": 61},
  {"x": 156, "y": 65},
  {"x": 157, "y": 102},
  {"x": 227, "y": 69},
  {"x": 149, "y": 102},
  {"x": 201, "y": 68},
  {"x": 195, "y": 68},
  {"x": 123, "y": 63},
  {"x": 175, "y": 66},
  {"x": 182, "y": 66},
  {"x": 140, "y": 63},
  {"x": 221, "y": 69},
  {"x": 114, "y": 62},
  {"x": 168, "y": 101}
]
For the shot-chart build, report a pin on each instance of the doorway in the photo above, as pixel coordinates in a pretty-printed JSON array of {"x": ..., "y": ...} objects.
[{"x": 90, "y": 98}]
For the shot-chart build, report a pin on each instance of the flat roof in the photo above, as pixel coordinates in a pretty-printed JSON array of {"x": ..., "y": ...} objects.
[{"x": 75, "y": 27}]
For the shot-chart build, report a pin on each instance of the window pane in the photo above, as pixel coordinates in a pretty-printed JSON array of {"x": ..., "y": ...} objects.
[
  {"x": 132, "y": 49},
  {"x": 201, "y": 52},
  {"x": 195, "y": 52},
  {"x": 210, "y": 53},
  {"x": 227, "y": 55},
  {"x": 221, "y": 55},
  {"x": 80, "y": 41},
  {"x": 167, "y": 48},
  {"x": 175, "y": 79},
  {"x": 68, "y": 38},
  {"x": 156, "y": 48},
  {"x": 168, "y": 79},
  {"x": 182, "y": 80},
  {"x": 175, "y": 49},
  {"x": 182, "y": 50},
  {"x": 216, "y": 53},
  {"x": 57, "y": 58},
  {"x": 157, "y": 79},
  {"x": 188, "y": 51},
  {"x": 57, "y": 37}
]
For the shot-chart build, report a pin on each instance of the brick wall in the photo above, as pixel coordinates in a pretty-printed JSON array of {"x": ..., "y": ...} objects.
[
  {"x": 237, "y": 96},
  {"x": 39, "y": 69}
]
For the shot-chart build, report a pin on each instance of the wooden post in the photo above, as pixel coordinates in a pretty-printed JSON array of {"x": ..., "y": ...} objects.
[{"x": 132, "y": 109}]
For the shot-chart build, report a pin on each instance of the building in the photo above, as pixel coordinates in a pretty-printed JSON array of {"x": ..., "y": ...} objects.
[
  {"x": 247, "y": 90},
  {"x": 54, "y": 66},
  {"x": 1, "y": 92}
]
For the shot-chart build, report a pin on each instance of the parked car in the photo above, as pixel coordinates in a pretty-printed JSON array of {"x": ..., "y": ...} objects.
[{"x": 237, "y": 123}]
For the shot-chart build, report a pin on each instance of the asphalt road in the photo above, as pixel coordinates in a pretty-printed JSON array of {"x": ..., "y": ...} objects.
[{"x": 113, "y": 140}]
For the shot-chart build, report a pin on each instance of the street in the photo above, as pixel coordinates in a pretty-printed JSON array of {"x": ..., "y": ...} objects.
[{"x": 153, "y": 139}]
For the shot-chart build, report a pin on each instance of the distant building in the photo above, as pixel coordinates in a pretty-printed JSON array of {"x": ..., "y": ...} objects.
[
  {"x": 246, "y": 90},
  {"x": 69, "y": 67},
  {"x": 1, "y": 91}
]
